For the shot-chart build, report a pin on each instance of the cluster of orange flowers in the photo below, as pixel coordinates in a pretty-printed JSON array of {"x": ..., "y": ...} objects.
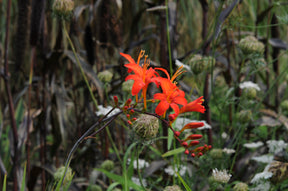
[{"x": 171, "y": 96}]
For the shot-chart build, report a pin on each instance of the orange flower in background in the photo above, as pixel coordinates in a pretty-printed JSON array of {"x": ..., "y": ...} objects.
[{"x": 142, "y": 75}]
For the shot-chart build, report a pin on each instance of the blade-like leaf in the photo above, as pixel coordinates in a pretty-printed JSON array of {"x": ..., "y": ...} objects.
[{"x": 174, "y": 152}]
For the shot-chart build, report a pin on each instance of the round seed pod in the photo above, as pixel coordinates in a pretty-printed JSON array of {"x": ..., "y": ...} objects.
[
  {"x": 105, "y": 76},
  {"x": 146, "y": 126},
  {"x": 172, "y": 188},
  {"x": 108, "y": 165},
  {"x": 250, "y": 45}
]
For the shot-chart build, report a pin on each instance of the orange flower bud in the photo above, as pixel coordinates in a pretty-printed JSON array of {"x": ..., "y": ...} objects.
[
  {"x": 193, "y": 155},
  {"x": 192, "y": 125},
  {"x": 193, "y": 136},
  {"x": 177, "y": 133},
  {"x": 193, "y": 143},
  {"x": 115, "y": 100},
  {"x": 186, "y": 152},
  {"x": 184, "y": 144}
]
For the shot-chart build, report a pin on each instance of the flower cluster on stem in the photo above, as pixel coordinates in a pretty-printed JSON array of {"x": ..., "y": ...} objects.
[{"x": 170, "y": 97}]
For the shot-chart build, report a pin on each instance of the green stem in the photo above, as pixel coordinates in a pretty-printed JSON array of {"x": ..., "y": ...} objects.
[
  {"x": 168, "y": 38},
  {"x": 113, "y": 145},
  {"x": 79, "y": 65}
]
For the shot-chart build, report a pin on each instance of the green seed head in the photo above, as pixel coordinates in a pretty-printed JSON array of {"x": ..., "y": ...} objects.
[
  {"x": 216, "y": 153},
  {"x": 127, "y": 86},
  {"x": 105, "y": 76},
  {"x": 146, "y": 126},
  {"x": 250, "y": 93},
  {"x": 108, "y": 165},
  {"x": 250, "y": 45},
  {"x": 60, "y": 172},
  {"x": 240, "y": 186},
  {"x": 244, "y": 116}
]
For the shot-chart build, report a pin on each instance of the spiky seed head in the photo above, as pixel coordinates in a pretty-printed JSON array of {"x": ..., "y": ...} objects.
[
  {"x": 60, "y": 173},
  {"x": 250, "y": 45},
  {"x": 146, "y": 126},
  {"x": 105, "y": 76}
]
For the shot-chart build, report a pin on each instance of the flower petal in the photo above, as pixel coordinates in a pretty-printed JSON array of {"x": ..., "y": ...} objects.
[
  {"x": 128, "y": 57},
  {"x": 162, "y": 107}
]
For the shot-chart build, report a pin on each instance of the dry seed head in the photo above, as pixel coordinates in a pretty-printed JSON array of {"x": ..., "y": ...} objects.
[
  {"x": 146, "y": 126},
  {"x": 63, "y": 8},
  {"x": 250, "y": 45},
  {"x": 279, "y": 171}
]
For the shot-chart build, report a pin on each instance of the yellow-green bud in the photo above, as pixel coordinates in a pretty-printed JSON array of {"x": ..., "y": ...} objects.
[
  {"x": 63, "y": 8},
  {"x": 108, "y": 165},
  {"x": 284, "y": 105},
  {"x": 216, "y": 153},
  {"x": 240, "y": 186},
  {"x": 127, "y": 86},
  {"x": 60, "y": 172},
  {"x": 117, "y": 189},
  {"x": 172, "y": 188},
  {"x": 105, "y": 76},
  {"x": 146, "y": 126},
  {"x": 250, "y": 93},
  {"x": 250, "y": 45},
  {"x": 244, "y": 116}
]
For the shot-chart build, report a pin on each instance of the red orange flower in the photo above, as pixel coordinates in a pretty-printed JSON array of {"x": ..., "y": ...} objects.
[
  {"x": 172, "y": 96},
  {"x": 142, "y": 75}
]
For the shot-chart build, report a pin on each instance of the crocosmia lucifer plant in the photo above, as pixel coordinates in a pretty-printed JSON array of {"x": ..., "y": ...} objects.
[{"x": 170, "y": 97}]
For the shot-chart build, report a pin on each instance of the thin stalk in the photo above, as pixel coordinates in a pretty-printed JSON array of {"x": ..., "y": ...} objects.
[
  {"x": 75, "y": 146},
  {"x": 79, "y": 65},
  {"x": 113, "y": 145},
  {"x": 28, "y": 142},
  {"x": 10, "y": 100},
  {"x": 168, "y": 38}
]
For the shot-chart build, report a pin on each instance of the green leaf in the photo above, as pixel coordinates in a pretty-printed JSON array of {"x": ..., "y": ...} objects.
[
  {"x": 112, "y": 186},
  {"x": 120, "y": 179},
  {"x": 183, "y": 182},
  {"x": 170, "y": 139},
  {"x": 174, "y": 152},
  {"x": 4, "y": 183},
  {"x": 24, "y": 179}
]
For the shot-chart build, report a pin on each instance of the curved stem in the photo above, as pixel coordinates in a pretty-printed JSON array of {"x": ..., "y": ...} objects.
[{"x": 79, "y": 65}]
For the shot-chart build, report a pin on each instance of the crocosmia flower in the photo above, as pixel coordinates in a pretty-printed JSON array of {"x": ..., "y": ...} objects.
[
  {"x": 142, "y": 75},
  {"x": 172, "y": 96}
]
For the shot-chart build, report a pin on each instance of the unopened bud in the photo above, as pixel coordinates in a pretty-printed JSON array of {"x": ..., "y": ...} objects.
[
  {"x": 184, "y": 144},
  {"x": 177, "y": 133},
  {"x": 108, "y": 165},
  {"x": 116, "y": 101},
  {"x": 186, "y": 152},
  {"x": 244, "y": 116}
]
